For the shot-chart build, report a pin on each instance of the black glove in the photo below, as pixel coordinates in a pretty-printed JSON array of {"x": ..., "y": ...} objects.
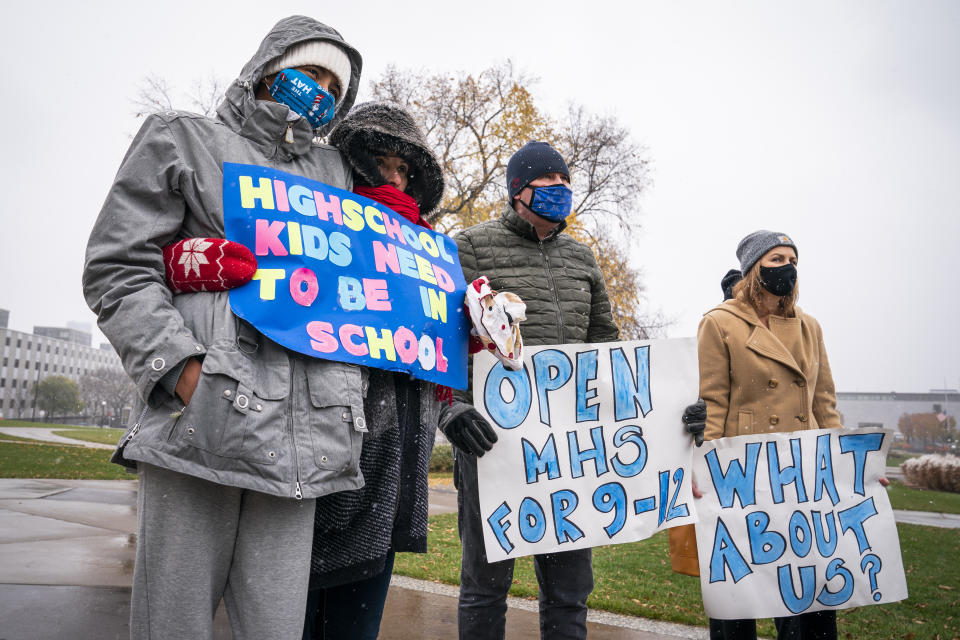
[
  {"x": 471, "y": 433},
  {"x": 695, "y": 419}
]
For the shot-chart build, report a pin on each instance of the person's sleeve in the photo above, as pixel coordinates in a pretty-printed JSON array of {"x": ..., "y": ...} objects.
[
  {"x": 825, "y": 394},
  {"x": 714, "y": 376},
  {"x": 602, "y": 327},
  {"x": 123, "y": 277}
]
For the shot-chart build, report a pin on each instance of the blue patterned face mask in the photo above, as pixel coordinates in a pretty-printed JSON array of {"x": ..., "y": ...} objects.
[
  {"x": 552, "y": 203},
  {"x": 303, "y": 95}
]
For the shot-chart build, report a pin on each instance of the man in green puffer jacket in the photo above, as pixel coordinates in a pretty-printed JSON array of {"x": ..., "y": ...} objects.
[{"x": 526, "y": 252}]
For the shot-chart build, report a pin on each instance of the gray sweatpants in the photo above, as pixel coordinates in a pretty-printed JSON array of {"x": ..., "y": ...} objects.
[{"x": 199, "y": 542}]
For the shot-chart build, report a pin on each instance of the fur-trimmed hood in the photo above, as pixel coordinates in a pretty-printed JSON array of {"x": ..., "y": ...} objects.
[{"x": 385, "y": 128}]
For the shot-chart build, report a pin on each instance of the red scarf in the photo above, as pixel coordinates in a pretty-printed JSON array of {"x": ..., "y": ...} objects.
[{"x": 389, "y": 196}]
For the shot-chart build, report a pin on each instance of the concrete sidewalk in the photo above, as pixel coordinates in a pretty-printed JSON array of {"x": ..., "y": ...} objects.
[{"x": 66, "y": 563}]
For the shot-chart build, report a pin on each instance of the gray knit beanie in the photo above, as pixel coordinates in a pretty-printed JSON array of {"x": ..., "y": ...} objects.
[
  {"x": 758, "y": 243},
  {"x": 314, "y": 52}
]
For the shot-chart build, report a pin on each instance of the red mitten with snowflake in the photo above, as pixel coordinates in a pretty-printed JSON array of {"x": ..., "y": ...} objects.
[{"x": 207, "y": 264}]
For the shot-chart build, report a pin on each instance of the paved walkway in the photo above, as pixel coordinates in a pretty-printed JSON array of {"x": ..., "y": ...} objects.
[
  {"x": 48, "y": 435},
  {"x": 66, "y": 563}
]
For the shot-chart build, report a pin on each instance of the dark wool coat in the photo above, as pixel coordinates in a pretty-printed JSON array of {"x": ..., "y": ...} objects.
[
  {"x": 355, "y": 530},
  {"x": 557, "y": 277}
]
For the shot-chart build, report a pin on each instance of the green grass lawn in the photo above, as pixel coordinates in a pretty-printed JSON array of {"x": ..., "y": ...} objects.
[
  {"x": 92, "y": 434},
  {"x": 636, "y": 579},
  {"x": 28, "y": 460},
  {"x": 904, "y": 497}
]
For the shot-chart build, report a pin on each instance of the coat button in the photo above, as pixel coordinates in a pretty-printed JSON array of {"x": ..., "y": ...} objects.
[
  {"x": 243, "y": 401},
  {"x": 198, "y": 348},
  {"x": 360, "y": 422},
  {"x": 773, "y": 383},
  {"x": 158, "y": 364},
  {"x": 801, "y": 383},
  {"x": 259, "y": 407},
  {"x": 323, "y": 458},
  {"x": 802, "y": 418},
  {"x": 227, "y": 393},
  {"x": 774, "y": 419},
  {"x": 346, "y": 416}
]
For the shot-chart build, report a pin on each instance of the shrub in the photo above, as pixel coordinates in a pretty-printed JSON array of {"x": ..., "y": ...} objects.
[
  {"x": 442, "y": 458},
  {"x": 934, "y": 471}
]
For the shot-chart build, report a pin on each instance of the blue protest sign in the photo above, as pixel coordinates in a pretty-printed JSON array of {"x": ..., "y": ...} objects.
[{"x": 342, "y": 277}]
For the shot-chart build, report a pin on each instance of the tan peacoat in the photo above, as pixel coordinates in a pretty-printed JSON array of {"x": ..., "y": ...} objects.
[
  {"x": 757, "y": 380},
  {"x": 760, "y": 380}
]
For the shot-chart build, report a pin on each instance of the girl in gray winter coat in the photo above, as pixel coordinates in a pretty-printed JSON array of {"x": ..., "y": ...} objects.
[{"x": 236, "y": 436}]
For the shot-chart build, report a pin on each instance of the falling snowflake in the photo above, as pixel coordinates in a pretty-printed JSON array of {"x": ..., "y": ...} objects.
[{"x": 193, "y": 255}]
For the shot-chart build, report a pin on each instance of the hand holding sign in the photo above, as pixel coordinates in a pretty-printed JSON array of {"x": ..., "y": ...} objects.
[{"x": 471, "y": 433}]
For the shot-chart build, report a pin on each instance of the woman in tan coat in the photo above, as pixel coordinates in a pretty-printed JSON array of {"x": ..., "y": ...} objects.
[{"x": 763, "y": 368}]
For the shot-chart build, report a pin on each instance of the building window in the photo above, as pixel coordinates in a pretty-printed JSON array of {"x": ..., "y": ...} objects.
[
  {"x": 3, "y": 382},
  {"x": 46, "y": 367},
  {"x": 5, "y": 360},
  {"x": 16, "y": 363},
  {"x": 18, "y": 342},
  {"x": 37, "y": 367},
  {"x": 13, "y": 384}
]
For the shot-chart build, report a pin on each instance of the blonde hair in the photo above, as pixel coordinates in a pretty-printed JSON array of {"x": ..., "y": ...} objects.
[{"x": 750, "y": 290}]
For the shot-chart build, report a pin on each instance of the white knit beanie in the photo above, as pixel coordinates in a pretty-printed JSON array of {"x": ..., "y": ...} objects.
[{"x": 316, "y": 52}]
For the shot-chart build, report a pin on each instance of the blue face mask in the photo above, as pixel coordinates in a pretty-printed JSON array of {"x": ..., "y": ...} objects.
[
  {"x": 552, "y": 203},
  {"x": 303, "y": 95}
]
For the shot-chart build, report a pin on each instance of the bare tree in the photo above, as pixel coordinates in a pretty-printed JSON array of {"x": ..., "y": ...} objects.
[
  {"x": 156, "y": 94},
  {"x": 106, "y": 391},
  {"x": 475, "y": 122}
]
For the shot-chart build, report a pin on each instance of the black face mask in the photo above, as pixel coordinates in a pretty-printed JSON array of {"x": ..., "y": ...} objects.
[{"x": 779, "y": 281}]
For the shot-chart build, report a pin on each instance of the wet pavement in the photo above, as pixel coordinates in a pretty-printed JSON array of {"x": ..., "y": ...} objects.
[
  {"x": 48, "y": 435},
  {"x": 66, "y": 563}
]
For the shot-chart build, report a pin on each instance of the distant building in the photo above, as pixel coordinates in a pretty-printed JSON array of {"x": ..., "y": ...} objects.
[
  {"x": 29, "y": 358},
  {"x": 65, "y": 333},
  {"x": 862, "y": 409}
]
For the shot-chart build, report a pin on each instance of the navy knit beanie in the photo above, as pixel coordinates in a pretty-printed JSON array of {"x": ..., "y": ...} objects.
[{"x": 533, "y": 160}]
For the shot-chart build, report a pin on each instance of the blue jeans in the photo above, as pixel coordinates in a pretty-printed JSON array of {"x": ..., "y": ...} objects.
[
  {"x": 351, "y": 610},
  {"x": 565, "y": 579}
]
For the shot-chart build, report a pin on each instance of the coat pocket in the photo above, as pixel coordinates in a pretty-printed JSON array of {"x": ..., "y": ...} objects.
[
  {"x": 336, "y": 419},
  {"x": 233, "y": 413}
]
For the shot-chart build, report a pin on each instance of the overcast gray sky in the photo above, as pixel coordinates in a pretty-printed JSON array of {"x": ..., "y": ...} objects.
[{"x": 835, "y": 122}]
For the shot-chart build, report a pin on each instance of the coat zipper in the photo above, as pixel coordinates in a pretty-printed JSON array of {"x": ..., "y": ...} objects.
[
  {"x": 556, "y": 294},
  {"x": 136, "y": 427},
  {"x": 298, "y": 490}
]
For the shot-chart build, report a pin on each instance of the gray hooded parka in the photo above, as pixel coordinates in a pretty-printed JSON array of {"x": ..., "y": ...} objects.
[{"x": 262, "y": 417}]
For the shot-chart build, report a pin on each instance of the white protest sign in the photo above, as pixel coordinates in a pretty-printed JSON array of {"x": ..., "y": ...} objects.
[
  {"x": 591, "y": 449},
  {"x": 796, "y": 522}
]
